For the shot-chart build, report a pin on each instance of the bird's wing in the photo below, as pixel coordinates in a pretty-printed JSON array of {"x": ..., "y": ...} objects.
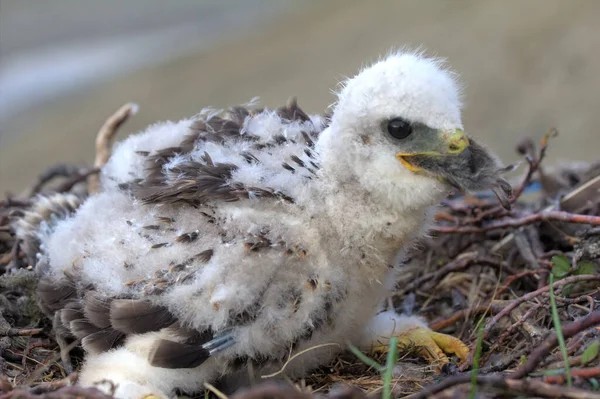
[
  {"x": 129, "y": 266},
  {"x": 242, "y": 153},
  {"x": 200, "y": 312}
]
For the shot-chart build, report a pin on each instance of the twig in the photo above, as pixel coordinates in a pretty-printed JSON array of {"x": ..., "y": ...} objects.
[
  {"x": 40, "y": 370},
  {"x": 16, "y": 332},
  {"x": 211, "y": 388},
  {"x": 272, "y": 389},
  {"x": 464, "y": 314},
  {"x": 67, "y": 392},
  {"x": 460, "y": 263},
  {"x": 543, "y": 216},
  {"x": 542, "y": 349},
  {"x": 591, "y": 372},
  {"x": 54, "y": 385},
  {"x": 68, "y": 185},
  {"x": 104, "y": 140},
  {"x": 516, "y": 302},
  {"x": 60, "y": 170},
  {"x": 282, "y": 369},
  {"x": 510, "y": 329},
  {"x": 530, "y": 387},
  {"x": 510, "y": 279},
  {"x": 32, "y": 346}
]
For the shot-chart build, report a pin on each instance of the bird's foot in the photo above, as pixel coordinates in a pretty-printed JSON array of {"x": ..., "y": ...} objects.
[
  {"x": 430, "y": 345},
  {"x": 413, "y": 335}
]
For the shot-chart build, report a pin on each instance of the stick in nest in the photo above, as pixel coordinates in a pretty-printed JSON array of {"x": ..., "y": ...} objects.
[
  {"x": 549, "y": 343},
  {"x": 104, "y": 140},
  {"x": 518, "y": 301},
  {"x": 530, "y": 388}
]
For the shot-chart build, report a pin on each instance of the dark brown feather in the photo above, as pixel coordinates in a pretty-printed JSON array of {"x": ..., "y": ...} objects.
[
  {"x": 61, "y": 331},
  {"x": 82, "y": 328},
  {"x": 97, "y": 309},
  {"x": 292, "y": 112},
  {"x": 52, "y": 295},
  {"x": 72, "y": 311},
  {"x": 204, "y": 256},
  {"x": 186, "y": 238},
  {"x": 194, "y": 182},
  {"x": 175, "y": 355},
  {"x": 133, "y": 316},
  {"x": 102, "y": 341}
]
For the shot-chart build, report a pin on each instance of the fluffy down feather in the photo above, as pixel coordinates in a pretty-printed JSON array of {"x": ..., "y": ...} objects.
[{"x": 236, "y": 237}]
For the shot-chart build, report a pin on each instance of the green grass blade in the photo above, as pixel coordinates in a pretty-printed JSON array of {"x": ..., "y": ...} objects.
[
  {"x": 392, "y": 359},
  {"x": 476, "y": 360},
  {"x": 559, "y": 335},
  {"x": 366, "y": 359}
]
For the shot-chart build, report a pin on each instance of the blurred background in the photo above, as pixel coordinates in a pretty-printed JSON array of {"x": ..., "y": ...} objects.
[{"x": 65, "y": 65}]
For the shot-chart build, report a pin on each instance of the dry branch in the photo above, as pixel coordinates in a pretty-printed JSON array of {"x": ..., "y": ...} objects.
[
  {"x": 549, "y": 343},
  {"x": 16, "y": 332},
  {"x": 522, "y": 299},
  {"x": 104, "y": 140},
  {"x": 559, "y": 216},
  {"x": 591, "y": 372},
  {"x": 530, "y": 388}
]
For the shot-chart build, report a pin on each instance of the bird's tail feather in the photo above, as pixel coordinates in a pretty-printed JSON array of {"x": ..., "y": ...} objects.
[{"x": 40, "y": 220}]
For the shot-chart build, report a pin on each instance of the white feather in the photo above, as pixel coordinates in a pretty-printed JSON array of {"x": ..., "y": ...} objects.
[{"x": 363, "y": 208}]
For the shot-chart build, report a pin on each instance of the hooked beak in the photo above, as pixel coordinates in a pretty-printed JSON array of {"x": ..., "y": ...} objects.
[{"x": 451, "y": 142}]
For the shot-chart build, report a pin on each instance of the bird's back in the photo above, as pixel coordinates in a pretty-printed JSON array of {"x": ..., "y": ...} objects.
[{"x": 197, "y": 230}]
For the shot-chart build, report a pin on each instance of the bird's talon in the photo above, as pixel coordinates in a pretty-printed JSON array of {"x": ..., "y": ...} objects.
[{"x": 430, "y": 345}]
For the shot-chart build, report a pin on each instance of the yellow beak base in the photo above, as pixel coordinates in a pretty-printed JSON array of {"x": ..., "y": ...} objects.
[
  {"x": 448, "y": 143},
  {"x": 407, "y": 164}
]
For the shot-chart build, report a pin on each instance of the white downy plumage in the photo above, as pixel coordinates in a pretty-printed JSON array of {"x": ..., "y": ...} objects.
[{"x": 290, "y": 257}]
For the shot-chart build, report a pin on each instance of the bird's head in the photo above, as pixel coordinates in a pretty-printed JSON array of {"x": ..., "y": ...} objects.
[{"x": 397, "y": 129}]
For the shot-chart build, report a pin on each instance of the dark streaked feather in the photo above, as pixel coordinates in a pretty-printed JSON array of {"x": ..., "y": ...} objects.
[
  {"x": 194, "y": 182},
  {"x": 60, "y": 329},
  {"x": 97, "y": 309},
  {"x": 48, "y": 209},
  {"x": 82, "y": 328},
  {"x": 102, "y": 341},
  {"x": 175, "y": 355},
  {"x": 52, "y": 295},
  {"x": 298, "y": 160},
  {"x": 288, "y": 167},
  {"x": 292, "y": 112},
  {"x": 70, "y": 312},
  {"x": 133, "y": 316},
  {"x": 204, "y": 256},
  {"x": 186, "y": 238},
  {"x": 309, "y": 142}
]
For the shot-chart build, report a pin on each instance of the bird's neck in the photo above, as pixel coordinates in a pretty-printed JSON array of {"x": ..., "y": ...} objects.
[
  {"x": 360, "y": 223},
  {"x": 372, "y": 220}
]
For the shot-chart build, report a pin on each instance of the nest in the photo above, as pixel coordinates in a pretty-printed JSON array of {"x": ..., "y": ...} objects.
[{"x": 503, "y": 281}]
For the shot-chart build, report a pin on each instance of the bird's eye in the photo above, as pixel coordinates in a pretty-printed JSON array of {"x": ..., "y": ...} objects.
[{"x": 399, "y": 128}]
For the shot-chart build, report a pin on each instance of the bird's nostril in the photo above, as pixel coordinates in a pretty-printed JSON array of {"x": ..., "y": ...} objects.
[{"x": 454, "y": 147}]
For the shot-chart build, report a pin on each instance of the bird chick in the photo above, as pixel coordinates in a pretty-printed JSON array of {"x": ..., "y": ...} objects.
[{"x": 244, "y": 237}]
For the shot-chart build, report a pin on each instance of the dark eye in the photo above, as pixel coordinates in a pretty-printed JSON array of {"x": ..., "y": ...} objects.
[{"x": 399, "y": 128}]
